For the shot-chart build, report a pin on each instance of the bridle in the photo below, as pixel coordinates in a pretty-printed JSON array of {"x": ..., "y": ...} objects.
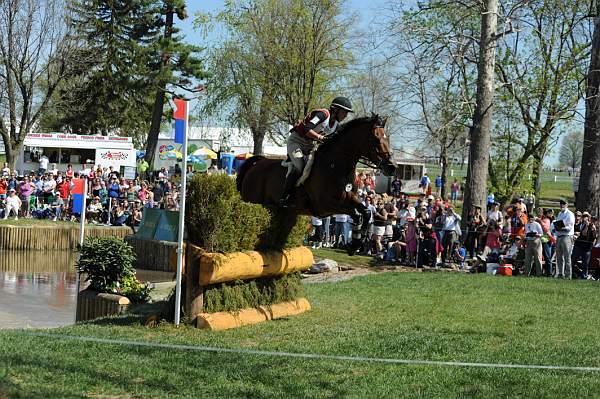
[{"x": 382, "y": 156}]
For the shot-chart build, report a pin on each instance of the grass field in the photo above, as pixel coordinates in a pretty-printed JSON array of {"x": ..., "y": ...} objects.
[
  {"x": 430, "y": 316},
  {"x": 551, "y": 191}
]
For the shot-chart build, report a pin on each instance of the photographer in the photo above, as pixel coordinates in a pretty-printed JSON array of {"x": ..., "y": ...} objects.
[
  {"x": 475, "y": 222},
  {"x": 582, "y": 248},
  {"x": 427, "y": 252},
  {"x": 380, "y": 220},
  {"x": 451, "y": 229},
  {"x": 533, "y": 249}
]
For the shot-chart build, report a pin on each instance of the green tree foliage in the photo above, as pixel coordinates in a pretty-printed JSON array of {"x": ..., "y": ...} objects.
[
  {"x": 37, "y": 54},
  {"x": 571, "y": 150},
  {"x": 113, "y": 91},
  {"x": 281, "y": 59},
  {"x": 543, "y": 46},
  {"x": 135, "y": 59},
  {"x": 177, "y": 65},
  {"x": 541, "y": 68},
  {"x": 437, "y": 75}
]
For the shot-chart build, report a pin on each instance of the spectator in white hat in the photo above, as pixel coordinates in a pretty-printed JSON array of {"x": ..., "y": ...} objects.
[{"x": 13, "y": 203}]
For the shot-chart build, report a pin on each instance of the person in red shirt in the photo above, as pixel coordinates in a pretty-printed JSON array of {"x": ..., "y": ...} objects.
[
  {"x": 64, "y": 190},
  {"x": 369, "y": 181},
  {"x": 70, "y": 172},
  {"x": 3, "y": 187}
]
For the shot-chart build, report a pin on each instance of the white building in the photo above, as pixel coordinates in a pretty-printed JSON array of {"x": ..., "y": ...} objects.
[
  {"x": 63, "y": 149},
  {"x": 237, "y": 141}
]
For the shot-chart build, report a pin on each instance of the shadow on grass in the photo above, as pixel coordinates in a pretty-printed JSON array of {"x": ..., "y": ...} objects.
[{"x": 138, "y": 314}]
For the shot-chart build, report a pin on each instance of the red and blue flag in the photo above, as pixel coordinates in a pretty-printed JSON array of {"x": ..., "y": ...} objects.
[
  {"x": 180, "y": 114},
  {"x": 78, "y": 194}
]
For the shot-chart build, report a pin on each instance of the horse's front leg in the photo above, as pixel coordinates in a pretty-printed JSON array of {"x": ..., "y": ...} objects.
[{"x": 360, "y": 217}]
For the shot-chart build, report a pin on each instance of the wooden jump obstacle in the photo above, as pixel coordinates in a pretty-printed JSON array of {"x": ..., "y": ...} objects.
[{"x": 202, "y": 268}]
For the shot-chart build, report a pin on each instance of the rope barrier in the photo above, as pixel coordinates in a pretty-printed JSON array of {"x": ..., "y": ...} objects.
[{"x": 314, "y": 356}]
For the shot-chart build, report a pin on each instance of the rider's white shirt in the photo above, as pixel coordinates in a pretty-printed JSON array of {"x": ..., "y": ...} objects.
[{"x": 324, "y": 127}]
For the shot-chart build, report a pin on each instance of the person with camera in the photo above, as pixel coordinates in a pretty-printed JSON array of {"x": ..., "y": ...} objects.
[
  {"x": 475, "y": 222},
  {"x": 380, "y": 221},
  {"x": 427, "y": 252},
  {"x": 533, "y": 248},
  {"x": 582, "y": 248},
  {"x": 451, "y": 229},
  {"x": 564, "y": 226}
]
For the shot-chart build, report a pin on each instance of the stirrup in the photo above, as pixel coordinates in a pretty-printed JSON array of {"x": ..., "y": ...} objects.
[{"x": 287, "y": 202}]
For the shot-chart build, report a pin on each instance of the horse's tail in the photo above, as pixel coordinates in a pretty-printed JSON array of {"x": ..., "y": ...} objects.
[{"x": 250, "y": 162}]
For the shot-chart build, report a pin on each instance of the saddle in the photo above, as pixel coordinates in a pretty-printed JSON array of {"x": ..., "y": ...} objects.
[{"x": 310, "y": 160}]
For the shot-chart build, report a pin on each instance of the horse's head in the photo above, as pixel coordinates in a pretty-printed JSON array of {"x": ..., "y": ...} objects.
[{"x": 378, "y": 150}]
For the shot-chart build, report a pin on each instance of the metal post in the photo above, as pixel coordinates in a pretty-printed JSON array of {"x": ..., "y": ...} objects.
[
  {"x": 181, "y": 219},
  {"x": 110, "y": 200},
  {"x": 81, "y": 238}
]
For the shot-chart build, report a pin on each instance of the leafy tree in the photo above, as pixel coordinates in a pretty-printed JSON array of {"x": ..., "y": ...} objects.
[
  {"x": 433, "y": 78},
  {"x": 113, "y": 92},
  {"x": 541, "y": 69},
  {"x": 281, "y": 59},
  {"x": 177, "y": 65},
  {"x": 571, "y": 150},
  {"x": 37, "y": 53}
]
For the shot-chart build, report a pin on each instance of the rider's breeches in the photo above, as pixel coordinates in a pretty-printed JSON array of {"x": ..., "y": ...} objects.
[{"x": 298, "y": 149}]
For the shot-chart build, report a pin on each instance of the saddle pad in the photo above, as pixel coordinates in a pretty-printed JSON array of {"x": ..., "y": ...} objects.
[{"x": 307, "y": 168}]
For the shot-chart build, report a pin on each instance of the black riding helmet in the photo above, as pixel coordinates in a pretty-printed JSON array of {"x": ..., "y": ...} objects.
[{"x": 342, "y": 103}]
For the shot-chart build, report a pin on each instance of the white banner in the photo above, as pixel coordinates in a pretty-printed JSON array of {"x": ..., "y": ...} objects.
[{"x": 115, "y": 158}]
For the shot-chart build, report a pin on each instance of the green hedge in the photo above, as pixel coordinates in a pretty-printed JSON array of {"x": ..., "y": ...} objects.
[
  {"x": 218, "y": 220},
  {"x": 233, "y": 296}
]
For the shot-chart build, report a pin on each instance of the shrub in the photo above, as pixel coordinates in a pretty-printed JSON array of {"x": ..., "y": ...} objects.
[
  {"x": 236, "y": 295},
  {"x": 108, "y": 264},
  {"x": 219, "y": 221}
]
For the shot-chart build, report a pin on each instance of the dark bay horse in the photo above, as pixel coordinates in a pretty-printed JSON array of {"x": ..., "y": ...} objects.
[{"x": 330, "y": 187}]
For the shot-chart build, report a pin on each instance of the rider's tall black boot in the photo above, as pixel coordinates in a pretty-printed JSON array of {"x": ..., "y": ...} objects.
[{"x": 287, "y": 198}]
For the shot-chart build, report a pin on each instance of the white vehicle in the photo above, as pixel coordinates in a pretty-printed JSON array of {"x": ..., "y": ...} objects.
[
  {"x": 64, "y": 149},
  {"x": 409, "y": 171}
]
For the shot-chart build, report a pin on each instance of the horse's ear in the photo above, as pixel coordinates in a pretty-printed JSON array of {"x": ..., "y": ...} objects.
[
  {"x": 374, "y": 115},
  {"x": 384, "y": 121}
]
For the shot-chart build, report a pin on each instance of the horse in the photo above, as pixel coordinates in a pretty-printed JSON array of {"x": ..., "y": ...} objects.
[{"x": 329, "y": 189}]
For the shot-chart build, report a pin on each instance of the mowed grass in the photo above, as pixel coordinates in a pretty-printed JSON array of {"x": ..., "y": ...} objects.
[{"x": 431, "y": 316}]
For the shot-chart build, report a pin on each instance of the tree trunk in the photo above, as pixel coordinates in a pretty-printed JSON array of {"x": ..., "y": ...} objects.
[
  {"x": 258, "y": 137},
  {"x": 479, "y": 149},
  {"x": 152, "y": 140},
  {"x": 159, "y": 99},
  {"x": 538, "y": 169},
  {"x": 444, "y": 171},
  {"x": 588, "y": 196},
  {"x": 11, "y": 151}
]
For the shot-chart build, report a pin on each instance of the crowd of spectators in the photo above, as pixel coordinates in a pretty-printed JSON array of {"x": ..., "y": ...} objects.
[
  {"x": 112, "y": 199},
  {"x": 425, "y": 230}
]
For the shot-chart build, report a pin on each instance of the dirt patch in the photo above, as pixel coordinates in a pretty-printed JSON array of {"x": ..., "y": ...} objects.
[{"x": 347, "y": 272}]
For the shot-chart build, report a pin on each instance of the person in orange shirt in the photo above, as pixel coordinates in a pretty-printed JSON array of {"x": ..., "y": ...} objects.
[
  {"x": 521, "y": 204},
  {"x": 517, "y": 224}
]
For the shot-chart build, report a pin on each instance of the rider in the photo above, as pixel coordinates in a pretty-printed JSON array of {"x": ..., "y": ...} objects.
[{"x": 315, "y": 126}]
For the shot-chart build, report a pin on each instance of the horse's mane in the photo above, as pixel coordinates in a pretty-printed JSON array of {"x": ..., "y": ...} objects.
[{"x": 348, "y": 126}]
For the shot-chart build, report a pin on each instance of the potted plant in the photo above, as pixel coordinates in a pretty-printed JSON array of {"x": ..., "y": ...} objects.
[{"x": 107, "y": 263}]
